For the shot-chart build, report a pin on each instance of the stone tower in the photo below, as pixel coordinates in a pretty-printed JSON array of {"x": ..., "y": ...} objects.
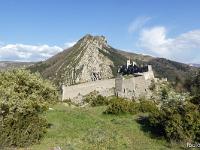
[
  {"x": 150, "y": 68},
  {"x": 128, "y": 63},
  {"x": 134, "y": 63}
]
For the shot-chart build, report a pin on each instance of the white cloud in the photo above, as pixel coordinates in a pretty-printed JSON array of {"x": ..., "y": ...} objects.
[
  {"x": 184, "y": 47},
  {"x": 69, "y": 44},
  {"x": 138, "y": 23},
  {"x": 21, "y": 52}
]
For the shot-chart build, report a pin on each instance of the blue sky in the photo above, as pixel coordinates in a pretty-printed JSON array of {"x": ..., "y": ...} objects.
[{"x": 32, "y": 30}]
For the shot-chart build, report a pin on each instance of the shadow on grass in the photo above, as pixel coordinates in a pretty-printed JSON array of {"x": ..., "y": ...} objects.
[
  {"x": 145, "y": 127},
  {"x": 153, "y": 132}
]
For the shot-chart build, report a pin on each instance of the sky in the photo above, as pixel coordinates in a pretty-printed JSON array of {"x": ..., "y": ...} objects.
[{"x": 34, "y": 30}]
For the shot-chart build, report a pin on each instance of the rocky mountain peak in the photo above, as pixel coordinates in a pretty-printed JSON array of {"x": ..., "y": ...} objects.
[{"x": 94, "y": 41}]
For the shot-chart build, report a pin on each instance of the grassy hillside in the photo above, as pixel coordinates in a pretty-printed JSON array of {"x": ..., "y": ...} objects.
[
  {"x": 53, "y": 67},
  {"x": 162, "y": 67},
  {"x": 5, "y": 65},
  {"x": 87, "y": 128},
  {"x": 171, "y": 69}
]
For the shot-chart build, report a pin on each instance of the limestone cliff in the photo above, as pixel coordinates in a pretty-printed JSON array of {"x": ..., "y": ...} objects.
[
  {"x": 93, "y": 65},
  {"x": 91, "y": 58}
]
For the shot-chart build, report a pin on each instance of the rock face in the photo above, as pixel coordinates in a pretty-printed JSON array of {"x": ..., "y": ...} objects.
[
  {"x": 93, "y": 65},
  {"x": 90, "y": 59}
]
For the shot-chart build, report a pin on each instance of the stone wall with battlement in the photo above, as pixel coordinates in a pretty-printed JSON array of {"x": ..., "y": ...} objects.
[
  {"x": 148, "y": 75},
  {"x": 123, "y": 86},
  {"x": 131, "y": 88},
  {"x": 134, "y": 86},
  {"x": 104, "y": 87}
]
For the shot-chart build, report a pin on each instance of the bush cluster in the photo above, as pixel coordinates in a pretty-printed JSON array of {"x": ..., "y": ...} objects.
[
  {"x": 192, "y": 84},
  {"x": 120, "y": 105},
  {"x": 147, "y": 106},
  {"x": 96, "y": 100},
  {"x": 177, "y": 121},
  {"x": 178, "y": 118},
  {"x": 23, "y": 97},
  {"x": 99, "y": 101}
]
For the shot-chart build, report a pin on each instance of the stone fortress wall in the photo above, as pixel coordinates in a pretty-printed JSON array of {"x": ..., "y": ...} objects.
[
  {"x": 123, "y": 86},
  {"x": 104, "y": 87},
  {"x": 134, "y": 81},
  {"x": 134, "y": 86}
]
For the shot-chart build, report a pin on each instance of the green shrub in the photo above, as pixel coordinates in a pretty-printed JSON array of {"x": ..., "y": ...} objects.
[
  {"x": 99, "y": 101},
  {"x": 148, "y": 106},
  {"x": 152, "y": 86},
  {"x": 117, "y": 106},
  {"x": 22, "y": 129},
  {"x": 120, "y": 106},
  {"x": 195, "y": 100},
  {"x": 164, "y": 94},
  {"x": 134, "y": 108},
  {"x": 23, "y": 97},
  {"x": 177, "y": 121},
  {"x": 96, "y": 100},
  {"x": 192, "y": 84}
]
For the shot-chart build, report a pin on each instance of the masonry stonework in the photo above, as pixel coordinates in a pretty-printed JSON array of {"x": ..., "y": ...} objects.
[
  {"x": 128, "y": 86},
  {"x": 133, "y": 86},
  {"x": 104, "y": 87}
]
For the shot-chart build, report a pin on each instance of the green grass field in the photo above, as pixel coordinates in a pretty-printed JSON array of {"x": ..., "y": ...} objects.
[{"x": 89, "y": 129}]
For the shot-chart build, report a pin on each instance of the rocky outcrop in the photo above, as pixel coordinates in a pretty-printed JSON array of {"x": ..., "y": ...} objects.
[
  {"x": 93, "y": 65},
  {"x": 88, "y": 60}
]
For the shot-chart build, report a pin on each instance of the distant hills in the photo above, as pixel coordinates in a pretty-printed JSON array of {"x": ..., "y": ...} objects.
[
  {"x": 92, "y": 57},
  {"x": 5, "y": 65},
  {"x": 195, "y": 65}
]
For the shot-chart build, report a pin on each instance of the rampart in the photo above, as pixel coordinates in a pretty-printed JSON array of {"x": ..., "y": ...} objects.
[
  {"x": 128, "y": 86},
  {"x": 104, "y": 87}
]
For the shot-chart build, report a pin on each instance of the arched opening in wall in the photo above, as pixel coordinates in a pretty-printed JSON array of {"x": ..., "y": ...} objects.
[{"x": 124, "y": 90}]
